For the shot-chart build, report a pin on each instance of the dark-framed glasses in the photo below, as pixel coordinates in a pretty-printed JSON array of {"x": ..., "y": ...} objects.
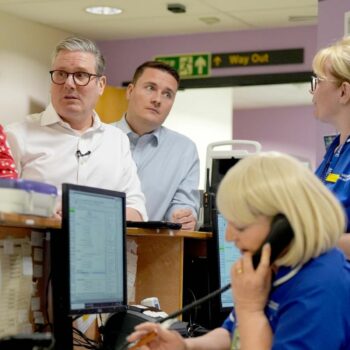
[{"x": 59, "y": 77}]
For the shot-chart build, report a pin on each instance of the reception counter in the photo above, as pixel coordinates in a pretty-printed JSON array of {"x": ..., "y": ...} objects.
[{"x": 160, "y": 259}]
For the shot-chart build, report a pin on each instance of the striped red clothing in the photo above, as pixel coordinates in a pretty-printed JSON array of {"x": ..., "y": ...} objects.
[{"x": 7, "y": 165}]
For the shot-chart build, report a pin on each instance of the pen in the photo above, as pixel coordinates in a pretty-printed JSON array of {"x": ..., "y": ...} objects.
[{"x": 143, "y": 341}]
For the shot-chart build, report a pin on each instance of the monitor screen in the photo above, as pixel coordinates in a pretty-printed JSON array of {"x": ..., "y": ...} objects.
[
  {"x": 219, "y": 168},
  {"x": 94, "y": 226},
  {"x": 228, "y": 254}
]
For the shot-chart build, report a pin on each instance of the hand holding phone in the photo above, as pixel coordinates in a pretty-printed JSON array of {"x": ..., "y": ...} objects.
[{"x": 251, "y": 287}]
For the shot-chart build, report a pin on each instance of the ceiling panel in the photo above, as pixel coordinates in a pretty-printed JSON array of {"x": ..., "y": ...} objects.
[
  {"x": 277, "y": 18},
  {"x": 142, "y": 18},
  {"x": 255, "y": 5}
]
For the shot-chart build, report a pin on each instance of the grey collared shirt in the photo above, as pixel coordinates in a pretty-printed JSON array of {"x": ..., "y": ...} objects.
[{"x": 168, "y": 168}]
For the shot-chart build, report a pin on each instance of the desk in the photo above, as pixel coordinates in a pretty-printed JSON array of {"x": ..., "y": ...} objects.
[
  {"x": 160, "y": 264},
  {"x": 160, "y": 256}
]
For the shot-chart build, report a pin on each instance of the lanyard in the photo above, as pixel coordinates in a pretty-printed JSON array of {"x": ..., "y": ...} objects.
[{"x": 332, "y": 158}]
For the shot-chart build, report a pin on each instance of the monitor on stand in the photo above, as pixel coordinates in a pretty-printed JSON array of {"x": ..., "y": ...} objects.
[{"x": 88, "y": 257}]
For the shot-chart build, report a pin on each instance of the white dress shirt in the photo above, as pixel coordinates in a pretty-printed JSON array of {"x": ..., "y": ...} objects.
[{"x": 45, "y": 148}]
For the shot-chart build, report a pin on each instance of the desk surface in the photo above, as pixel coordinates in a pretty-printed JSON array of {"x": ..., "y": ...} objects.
[{"x": 29, "y": 221}]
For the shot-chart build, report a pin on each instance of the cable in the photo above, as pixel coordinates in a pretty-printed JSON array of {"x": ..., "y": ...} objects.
[
  {"x": 195, "y": 310},
  {"x": 150, "y": 336},
  {"x": 84, "y": 341},
  {"x": 199, "y": 301},
  {"x": 101, "y": 328}
]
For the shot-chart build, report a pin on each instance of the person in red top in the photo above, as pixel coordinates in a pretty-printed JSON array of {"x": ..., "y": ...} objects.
[{"x": 7, "y": 165}]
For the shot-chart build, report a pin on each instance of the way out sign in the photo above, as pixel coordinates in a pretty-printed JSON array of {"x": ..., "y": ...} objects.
[{"x": 189, "y": 66}]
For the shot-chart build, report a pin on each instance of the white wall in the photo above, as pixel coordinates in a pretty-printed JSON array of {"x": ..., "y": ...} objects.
[
  {"x": 25, "y": 57},
  {"x": 204, "y": 115}
]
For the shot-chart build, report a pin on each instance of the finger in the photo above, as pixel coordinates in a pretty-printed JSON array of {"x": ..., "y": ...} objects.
[
  {"x": 187, "y": 221},
  {"x": 182, "y": 219},
  {"x": 144, "y": 341},
  {"x": 181, "y": 213},
  {"x": 265, "y": 257},
  {"x": 136, "y": 335},
  {"x": 247, "y": 262},
  {"x": 141, "y": 330},
  {"x": 237, "y": 268}
]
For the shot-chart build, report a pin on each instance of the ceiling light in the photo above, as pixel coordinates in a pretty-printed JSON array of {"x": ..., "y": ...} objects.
[
  {"x": 209, "y": 20},
  {"x": 103, "y": 10}
]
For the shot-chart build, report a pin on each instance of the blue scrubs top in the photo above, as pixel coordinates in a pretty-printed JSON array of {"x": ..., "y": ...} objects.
[
  {"x": 334, "y": 171},
  {"x": 308, "y": 308}
]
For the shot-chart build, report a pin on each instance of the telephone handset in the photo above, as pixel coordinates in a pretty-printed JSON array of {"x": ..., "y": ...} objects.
[{"x": 281, "y": 234}]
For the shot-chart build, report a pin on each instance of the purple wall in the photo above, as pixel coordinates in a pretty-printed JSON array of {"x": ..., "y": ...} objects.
[
  {"x": 285, "y": 129},
  {"x": 331, "y": 21},
  {"x": 123, "y": 56}
]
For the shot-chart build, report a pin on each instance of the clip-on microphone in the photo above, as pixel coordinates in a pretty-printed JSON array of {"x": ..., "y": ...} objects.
[
  {"x": 150, "y": 336},
  {"x": 79, "y": 154}
]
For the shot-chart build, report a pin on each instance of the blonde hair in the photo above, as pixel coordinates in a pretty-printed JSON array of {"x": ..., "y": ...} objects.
[
  {"x": 338, "y": 55},
  {"x": 272, "y": 183}
]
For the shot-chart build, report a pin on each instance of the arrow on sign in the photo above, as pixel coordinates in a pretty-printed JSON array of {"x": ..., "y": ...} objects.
[
  {"x": 200, "y": 64},
  {"x": 217, "y": 60}
]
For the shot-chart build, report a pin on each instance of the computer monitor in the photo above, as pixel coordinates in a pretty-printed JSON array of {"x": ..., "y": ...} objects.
[
  {"x": 219, "y": 169},
  {"x": 227, "y": 254},
  {"x": 94, "y": 246}
]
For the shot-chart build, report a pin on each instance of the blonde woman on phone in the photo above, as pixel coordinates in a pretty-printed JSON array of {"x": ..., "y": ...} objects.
[{"x": 300, "y": 300}]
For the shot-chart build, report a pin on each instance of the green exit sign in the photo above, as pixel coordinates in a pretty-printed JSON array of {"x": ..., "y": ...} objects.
[{"x": 189, "y": 66}]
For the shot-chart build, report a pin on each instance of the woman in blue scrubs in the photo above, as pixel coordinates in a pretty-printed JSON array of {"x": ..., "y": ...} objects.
[
  {"x": 330, "y": 88},
  {"x": 302, "y": 300}
]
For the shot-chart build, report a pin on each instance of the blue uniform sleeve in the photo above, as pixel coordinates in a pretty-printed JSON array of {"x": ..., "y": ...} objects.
[{"x": 230, "y": 322}]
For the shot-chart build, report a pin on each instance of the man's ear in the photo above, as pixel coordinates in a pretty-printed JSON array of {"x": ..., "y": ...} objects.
[
  {"x": 129, "y": 90},
  {"x": 345, "y": 92},
  {"x": 102, "y": 81}
]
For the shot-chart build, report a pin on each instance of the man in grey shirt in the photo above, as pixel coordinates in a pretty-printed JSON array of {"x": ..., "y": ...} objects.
[{"x": 167, "y": 162}]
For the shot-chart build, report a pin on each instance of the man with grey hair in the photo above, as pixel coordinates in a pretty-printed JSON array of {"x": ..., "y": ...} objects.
[{"x": 67, "y": 142}]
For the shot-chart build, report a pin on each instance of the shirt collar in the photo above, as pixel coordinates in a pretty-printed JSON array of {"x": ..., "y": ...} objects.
[
  {"x": 50, "y": 117},
  {"x": 123, "y": 124},
  {"x": 284, "y": 274}
]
